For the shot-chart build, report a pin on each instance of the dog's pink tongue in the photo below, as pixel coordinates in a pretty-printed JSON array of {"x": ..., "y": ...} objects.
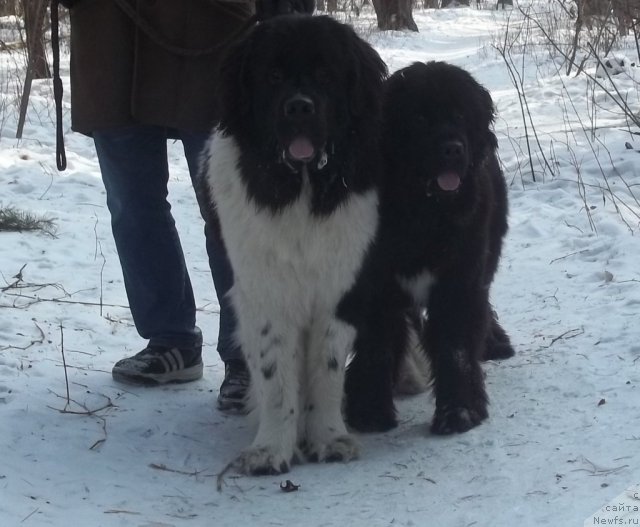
[
  {"x": 449, "y": 181},
  {"x": 301, "y": 149}
]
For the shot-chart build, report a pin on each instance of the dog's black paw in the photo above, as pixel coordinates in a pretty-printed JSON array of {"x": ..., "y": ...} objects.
[
  {"x": 498, "y": 350},
  {"x": 368, "y": 418},
  {"x": 498, "y": 346},
  {"x": 457, "y": 419},
  {"x": 368, "y": 405}
]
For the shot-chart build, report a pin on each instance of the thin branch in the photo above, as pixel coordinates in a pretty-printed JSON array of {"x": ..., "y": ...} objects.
[
  {"x": 15, "y": 284},
  {"x": 64, "y": 365},
  {"x": 160, "y": 466},
  {"x": 572, "y": 333}
]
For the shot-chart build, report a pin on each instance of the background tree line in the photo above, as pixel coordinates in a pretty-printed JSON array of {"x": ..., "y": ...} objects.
[
  {"x": 391, "y": 15},
  {"x": 33, "y": 14},
  {"x": 31, "y": 17}
]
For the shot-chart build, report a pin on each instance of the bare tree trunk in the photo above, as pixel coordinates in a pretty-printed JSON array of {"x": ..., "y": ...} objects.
[
  {"x": 34, "y": 14},
  {"x": 395, "y": 14},
  {"x": 8, "y": 7},
  {"x": 447, "y": 3},
  {"x": 328, "y": 6},
  {"x": 576, "y": 35}
]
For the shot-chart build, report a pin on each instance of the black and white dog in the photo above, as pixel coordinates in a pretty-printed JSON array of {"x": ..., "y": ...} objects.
[
  {"x": 443, "y": 215},
  {"x": 292, "y": 171}
]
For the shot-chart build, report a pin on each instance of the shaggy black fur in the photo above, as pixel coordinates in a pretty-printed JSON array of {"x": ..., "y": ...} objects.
[
  {"x": 310, "y": 79},
  {"x": 443, "y": 218}
]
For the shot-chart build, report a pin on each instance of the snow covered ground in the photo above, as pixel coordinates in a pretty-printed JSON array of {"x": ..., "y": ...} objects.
[{"x": 563, "y": 436}]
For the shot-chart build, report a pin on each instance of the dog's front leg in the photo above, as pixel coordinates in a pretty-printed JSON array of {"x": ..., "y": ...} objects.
[
  {"x": 273, "y": 359},
  {"x": 454, "y": 338},
  {"x": 326, "y": 436},
  {"x": 380, "y": 343}
]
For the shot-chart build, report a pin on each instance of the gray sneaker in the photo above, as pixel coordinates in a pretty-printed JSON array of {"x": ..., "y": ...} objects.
[{"x": 160, "y": 365}]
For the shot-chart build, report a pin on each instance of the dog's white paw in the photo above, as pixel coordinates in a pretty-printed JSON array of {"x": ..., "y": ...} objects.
[
  {"x": 262, "y": 461},
  {"x": 341, "y": 448}
]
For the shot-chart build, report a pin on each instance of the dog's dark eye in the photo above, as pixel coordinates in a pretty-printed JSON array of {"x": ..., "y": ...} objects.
[{"x": 275, "y": 76}]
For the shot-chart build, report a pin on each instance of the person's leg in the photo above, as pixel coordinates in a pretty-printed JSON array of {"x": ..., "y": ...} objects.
[
  {"x": 133, "y": 162},
  {"x": 218, "y": 260},
  {"x": 234, "y": 387}
]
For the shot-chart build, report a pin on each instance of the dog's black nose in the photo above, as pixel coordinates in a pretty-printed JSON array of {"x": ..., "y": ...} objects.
[
  {"x": 452, "y": 150},
  {"x": 299, "y": 106}
]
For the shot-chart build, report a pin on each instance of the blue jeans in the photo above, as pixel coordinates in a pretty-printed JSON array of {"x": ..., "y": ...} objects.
[{"x": 133, "y": 162}]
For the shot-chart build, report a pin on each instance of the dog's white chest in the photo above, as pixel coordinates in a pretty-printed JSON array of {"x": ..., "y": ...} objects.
[{"x": 293, "y": 251}]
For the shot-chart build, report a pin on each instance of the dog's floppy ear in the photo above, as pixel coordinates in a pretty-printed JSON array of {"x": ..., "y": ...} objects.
[
  {"x": 487, "y": 115},
  {"x": 483, "y": 103},
  {"x": 233, "y": 82},
  {"x": 366, "y": 75}
]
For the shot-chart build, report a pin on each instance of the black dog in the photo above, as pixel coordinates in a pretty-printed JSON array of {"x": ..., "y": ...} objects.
[{"x": 443, "y": 217}]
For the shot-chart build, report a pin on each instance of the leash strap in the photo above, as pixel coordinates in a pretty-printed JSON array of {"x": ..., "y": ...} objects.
[{"x": 61, "y": 156}]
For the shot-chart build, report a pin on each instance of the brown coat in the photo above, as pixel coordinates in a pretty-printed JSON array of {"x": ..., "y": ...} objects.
[{"x": 122, "y": 76}]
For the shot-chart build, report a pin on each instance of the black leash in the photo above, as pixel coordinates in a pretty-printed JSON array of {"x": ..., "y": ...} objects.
[{"x": 61, "y": 156}]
